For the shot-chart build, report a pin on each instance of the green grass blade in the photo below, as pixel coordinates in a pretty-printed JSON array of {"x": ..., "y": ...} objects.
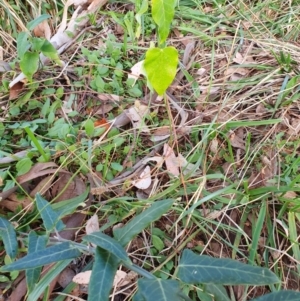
[
  {"x": 36, "y": 143},
  {"x": 139, "y": 223}
]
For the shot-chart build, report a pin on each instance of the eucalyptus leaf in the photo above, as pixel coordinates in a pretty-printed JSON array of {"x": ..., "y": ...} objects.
[
  {"x": 218, "y": 291},
  {"x": 109, "y": 244},
  {"x": 35, "y": 243},
  {"x": 50, "y": 218},
  {"x": 39, "y": 258},
  {"x": 159, "y": 289},
  {"x": 280, "y": 296},
  {"x": 9, "y": 238},
  {"x": 42, "y": 285},
  {"x": 195, "y": 269},
  {"x": 103, "y": 273},
  {"x": 140, "y": 222}
]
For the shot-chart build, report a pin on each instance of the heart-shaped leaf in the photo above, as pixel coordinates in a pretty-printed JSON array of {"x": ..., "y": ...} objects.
[{"x": 160, "y": 66}]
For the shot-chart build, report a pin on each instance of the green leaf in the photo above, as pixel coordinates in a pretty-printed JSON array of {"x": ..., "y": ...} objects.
[
  {"x": 50, "y": 51},
  {"x": 50, "y": 218},
  {"x": 157, "y": 243},
  {"x": 163, "y": 13},
  {"x": 218, "y": 291},
  {"x": 160, "y": 66},
  {"x": 34, "y": 23},
  {"x": 159, "y": 289},
  {"x": 35, "y": 243},
  {"x": 22, "y": 43},
  {"x": 139, "y": 223},
  {"x": 67, "y": 207},
  {"x": 23, "y": 166},
  {"x": 204, "y": 269},
  {"x": 280, "y": 296},
  {"x": 103, "y": 273},
  {"x": 109, "y": 244},
  {"x": 9, "y": 238},
  {"x": 42, "y": 285},
  {"x": 29, "y": 63},
  {"x": 89, "y": 127},
  {"x": 138, "y": 16},
  {"x": 39, "y": 258}
]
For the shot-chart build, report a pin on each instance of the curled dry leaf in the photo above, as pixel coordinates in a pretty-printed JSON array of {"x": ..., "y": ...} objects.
[
  {"x": 16, "y": 89},
  {"x": 92, "y": 225},
  {"x": 185, "y": 166},
  {"x": 136, "y": 71},
  {"x": 144, "y": 180},
  {"x": 42, "y": 30},
  {"x": 171, "y": 160},
  {"x": 160, "y": 134},
  {"x": 137, "y": 115},
  {"x": 119, "y": 280}
]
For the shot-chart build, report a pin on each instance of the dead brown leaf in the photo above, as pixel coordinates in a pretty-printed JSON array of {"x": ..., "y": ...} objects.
[
  {"x": 16, "y": 89},
  {"x": 171, "y": 160},
  {"x": 43, "y": 30}
]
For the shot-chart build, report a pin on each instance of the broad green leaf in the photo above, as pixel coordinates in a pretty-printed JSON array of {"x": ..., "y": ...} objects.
[
  {"x": 9, "y": 238},
  {"x": 22, "y": 43},
  {"x": 50, "y": 51},
  {"x": 42, "y": 285},
  {"x": 67, "y": 207},
  {"x": 109, "y": 244},
  {"x": 163, "y": 13},
  {"x": 280, "y": 296},
  {"x": 139, "y": 223},
  {"x": 39, "y": 258},
  {"x": 34, "y": 23},
  {"x": 160, "y": 66},
  {"x": 103, "y": 273},
  {"x": 218, "y": 291},
  {"x": 35, "y": 243},
  {"x": 89, "y": 127},
  {"x": 159, "y": 289},
  {"x": 29, "y": 63},
  {"x": 50, "y": 218},
  {"x": 23, "y": 166},
  {"x": 138, "y": 296},
  {"x": 204, "y": 269},
  {"x": 36, "y": 44}
]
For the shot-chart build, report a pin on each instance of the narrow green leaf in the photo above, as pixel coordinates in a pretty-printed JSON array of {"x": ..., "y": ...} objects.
[
  {"x": 159, "y": 289},
  {"x": 103, "y": 273},
  {"x": 9, "y": 238},
  {"x": 204, "y": 269},
  {"x": 39, "y": 258},
  {"x": 67, "y": 207},
  {"x": 29, "y": 63},
  {"x": 138, "y": 16},
  {"x": 218, "y": 291},
  {"x": 280, "y": 296},
  {"x": 42, "y": 285},
  {"x": 139, "y": 223},
  {"x": 22, "y": 43},
  {"x": 34, "y": 23},
  {"x": 109, "y": 244},
  {"x": 163, "y": 13},
  {"x": 50, "y": 218},
  {"x": 160, "y": 66},
  {"x": 35, "y": 243}
]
